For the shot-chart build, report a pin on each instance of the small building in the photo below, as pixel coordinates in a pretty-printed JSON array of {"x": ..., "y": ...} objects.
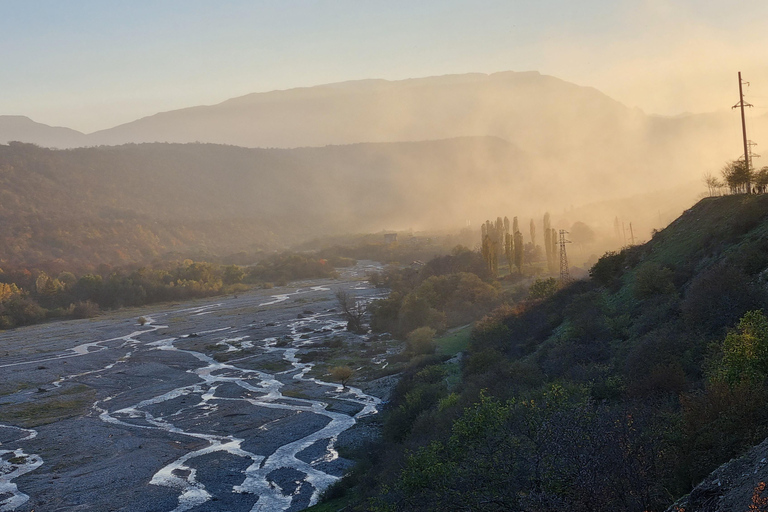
[{"x": 390, "y": 238}]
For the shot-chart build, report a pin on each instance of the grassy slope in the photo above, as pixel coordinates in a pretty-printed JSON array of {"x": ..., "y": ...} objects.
[{"x": 639, "y": 336}]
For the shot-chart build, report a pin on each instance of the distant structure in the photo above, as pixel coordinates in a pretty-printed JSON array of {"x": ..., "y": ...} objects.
[
  {"x": 565, "y": 276},
  {"x": 390, "y": 238}
]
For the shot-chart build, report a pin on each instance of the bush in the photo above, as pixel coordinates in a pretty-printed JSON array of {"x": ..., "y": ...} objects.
[
  {"x": 421, "y": 341},
  {"x": 651, "y": 279},
  {"x": 717, "y": 298},
  {"x": 608, "y": 269},
  {"x": 543, "y": 288},
  {"x": 85, "y": 309}
]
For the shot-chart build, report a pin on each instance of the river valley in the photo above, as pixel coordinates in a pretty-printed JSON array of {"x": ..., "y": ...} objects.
[{"x": 208, "y": 406}]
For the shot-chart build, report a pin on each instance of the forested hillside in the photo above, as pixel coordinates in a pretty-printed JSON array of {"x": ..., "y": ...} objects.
[
  {"x": 620, "y": 392},
  {"x": 131, "y": 203}
]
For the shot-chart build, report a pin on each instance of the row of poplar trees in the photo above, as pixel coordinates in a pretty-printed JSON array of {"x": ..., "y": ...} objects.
[{"x": 499, "y": 243}]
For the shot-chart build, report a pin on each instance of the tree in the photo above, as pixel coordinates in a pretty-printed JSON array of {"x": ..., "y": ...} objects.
[
  {"x": 745, "y": 351},
  {"x": 519, "y": 251},
  {"x": 533, "y": 233},
  {"x": 233, "y": 274},
  {"x": 342, "y": 374},
  {"x": 761, "y": 180},
  {"x": 421, "y": 341},
  {"x": 737, "y": 176},
  {"x": 555, "y": 251},
  {"x": 509, "y": 250},
  {"x": 712, "y": 183},
  {"x": 354, "y": 310}
]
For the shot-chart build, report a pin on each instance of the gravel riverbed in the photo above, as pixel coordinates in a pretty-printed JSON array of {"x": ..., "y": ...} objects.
[{"x": 206, "y": 407}]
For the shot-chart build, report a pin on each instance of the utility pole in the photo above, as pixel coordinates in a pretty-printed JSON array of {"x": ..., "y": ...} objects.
[
  {"x": 632, "y": 233},
  {"x": 741, "y": 105},
  {"x": 565, "y": 276}
]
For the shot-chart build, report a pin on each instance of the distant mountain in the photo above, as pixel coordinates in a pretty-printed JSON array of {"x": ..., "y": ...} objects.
[
  {"x": 560, "y": 125},
  {"x": 23, "y": 129},
  {"x": 513, "y": 106}
]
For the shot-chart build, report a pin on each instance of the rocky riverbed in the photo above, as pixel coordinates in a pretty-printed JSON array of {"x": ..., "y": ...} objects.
[{"x": 223, "y": 404}]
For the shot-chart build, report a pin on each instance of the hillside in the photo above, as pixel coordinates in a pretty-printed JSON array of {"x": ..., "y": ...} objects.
[
  {"x": 621, "y": 392},
  {"x": 133, "y": 202},
  {"x": 21, "y": 128}
]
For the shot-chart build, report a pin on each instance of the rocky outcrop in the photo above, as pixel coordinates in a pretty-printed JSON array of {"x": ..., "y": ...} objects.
[{"x": 737, "y": 486}]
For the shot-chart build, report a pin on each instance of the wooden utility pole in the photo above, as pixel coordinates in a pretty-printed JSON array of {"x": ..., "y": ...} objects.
[{"x": 741, "y": 105}]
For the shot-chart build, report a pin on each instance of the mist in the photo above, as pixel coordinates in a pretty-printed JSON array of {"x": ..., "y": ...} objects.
[{"x": 429, "y": 154}]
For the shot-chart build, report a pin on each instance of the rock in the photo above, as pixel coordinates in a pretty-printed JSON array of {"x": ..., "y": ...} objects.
[{"x": 736, "y": 485}]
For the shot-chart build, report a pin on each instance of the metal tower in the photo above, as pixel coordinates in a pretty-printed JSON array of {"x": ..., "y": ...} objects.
[{"x": 564, "y": 274}]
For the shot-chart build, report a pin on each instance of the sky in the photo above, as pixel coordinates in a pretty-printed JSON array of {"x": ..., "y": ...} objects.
[{"x": 94, "y": 64}]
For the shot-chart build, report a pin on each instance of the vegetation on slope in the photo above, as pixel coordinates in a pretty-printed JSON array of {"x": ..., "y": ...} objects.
[
  {"x": 130, "y": 204},
  {"x": 616, "y": 393}
]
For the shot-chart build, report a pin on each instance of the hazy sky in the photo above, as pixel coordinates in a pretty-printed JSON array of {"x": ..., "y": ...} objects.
[{"x": 93, "y": 64}]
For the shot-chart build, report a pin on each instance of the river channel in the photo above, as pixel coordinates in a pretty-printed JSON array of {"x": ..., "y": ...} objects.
[{"x": 207, "y": 406}]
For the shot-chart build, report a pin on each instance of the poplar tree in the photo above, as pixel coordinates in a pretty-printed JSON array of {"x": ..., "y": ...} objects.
[
  {"x": 555, "y": 254},
  {"x": 519, "y": 251},
  {"x": 548, "y": 240},
  {"x": 509, "y": 250},
  {"x": 533, "y": 234}
]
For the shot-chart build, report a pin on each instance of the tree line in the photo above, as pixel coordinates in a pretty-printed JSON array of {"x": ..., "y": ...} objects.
[
  {"x": 738, "y": 178},
  {"x": 31, "y": 296},
  {"x": 501, "y": 241}
]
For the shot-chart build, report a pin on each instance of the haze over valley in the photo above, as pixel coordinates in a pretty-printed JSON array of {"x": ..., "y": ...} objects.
[
  {"x": 431, "y": 153},
  {"x": 383, "y": 256}
]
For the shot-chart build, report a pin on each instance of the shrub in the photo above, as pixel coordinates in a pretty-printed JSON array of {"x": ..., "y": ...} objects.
[
  {"x": 421, "y": 341},
  {"x": 543, "y": 288},
  {"x": 717, "y": 298},
  {"x": 651, "y": 279},
  {"x": 608, "y": 269},
  {"x": 85, "y": 309}
]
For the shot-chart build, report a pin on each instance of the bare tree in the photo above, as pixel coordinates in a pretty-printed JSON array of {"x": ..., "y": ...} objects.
[
  {"x": 354, "y": 309},
  {"x": 712, "y": 183}
]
